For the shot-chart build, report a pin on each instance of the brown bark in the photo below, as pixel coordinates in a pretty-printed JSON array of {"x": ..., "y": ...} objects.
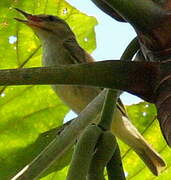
[{"x": 163, "y": 100}]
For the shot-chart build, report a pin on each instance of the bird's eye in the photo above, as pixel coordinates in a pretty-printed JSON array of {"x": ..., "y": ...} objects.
[{"x": 51, "y": 18}]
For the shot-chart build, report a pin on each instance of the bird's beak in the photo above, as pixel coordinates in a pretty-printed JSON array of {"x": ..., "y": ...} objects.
[{"x": 31, "y": 20}]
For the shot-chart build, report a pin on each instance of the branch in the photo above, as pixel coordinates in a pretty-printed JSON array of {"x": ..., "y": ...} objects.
[
  {"x": 151, "y": 21},
  {"x": 142, "y": 14},
  {"x": 138, "y": 78},
  {"x": 108, "y": 10}
]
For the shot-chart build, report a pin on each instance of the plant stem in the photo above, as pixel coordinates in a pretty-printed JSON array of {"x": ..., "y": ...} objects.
[
  {"x": 138, "y": 78},
  {"x": 114, "y": 167},
  {"x": 130, "y": 50},
  {"x": 142, "y": 14},
  {"x": 63, "y": 142},
  {"x": 108, "y": 109}
]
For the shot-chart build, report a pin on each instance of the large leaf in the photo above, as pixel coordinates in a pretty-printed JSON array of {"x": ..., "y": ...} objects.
[{"x": 28, "y": 111}]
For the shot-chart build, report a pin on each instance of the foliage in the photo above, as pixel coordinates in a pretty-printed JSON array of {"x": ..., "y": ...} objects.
[{"x": 28, "y": 111}]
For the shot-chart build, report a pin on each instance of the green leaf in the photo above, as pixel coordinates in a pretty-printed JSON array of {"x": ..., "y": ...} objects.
[
  {"x": 30, "y": 114},
  {"x": 58, "y": 175},
  {"x": 27, "y": 112}
]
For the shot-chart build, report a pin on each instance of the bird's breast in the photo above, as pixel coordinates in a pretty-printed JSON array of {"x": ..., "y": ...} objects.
[{"x": 75, "y": 97}]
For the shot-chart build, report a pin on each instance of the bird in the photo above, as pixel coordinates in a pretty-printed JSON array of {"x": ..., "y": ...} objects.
[{"x": 60, "y": 47}]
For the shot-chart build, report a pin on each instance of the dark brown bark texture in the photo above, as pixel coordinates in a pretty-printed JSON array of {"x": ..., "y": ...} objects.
[
  {"x": 163, "y": 100},
  {"x": 152, "y": 22}
]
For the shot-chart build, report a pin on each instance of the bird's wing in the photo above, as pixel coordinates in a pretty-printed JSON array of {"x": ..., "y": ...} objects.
[{"x": 79, "y": 54}]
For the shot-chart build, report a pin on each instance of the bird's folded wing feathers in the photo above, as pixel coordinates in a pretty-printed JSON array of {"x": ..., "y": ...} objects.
[{"x": 78, "y": 54}]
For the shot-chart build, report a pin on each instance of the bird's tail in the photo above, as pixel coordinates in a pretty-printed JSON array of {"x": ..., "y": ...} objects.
[
  {"x": 151, "y": 158},
  {"x": 127, "y": 132}
]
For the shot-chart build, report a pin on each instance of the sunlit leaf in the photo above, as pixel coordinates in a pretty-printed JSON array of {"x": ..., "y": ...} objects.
[
  {"x": 28, "y": 111},
  {"x": 28, "y": 114}
]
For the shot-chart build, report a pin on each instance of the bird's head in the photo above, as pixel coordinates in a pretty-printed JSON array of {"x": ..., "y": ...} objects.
[{"x": 46, "y": 26}]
